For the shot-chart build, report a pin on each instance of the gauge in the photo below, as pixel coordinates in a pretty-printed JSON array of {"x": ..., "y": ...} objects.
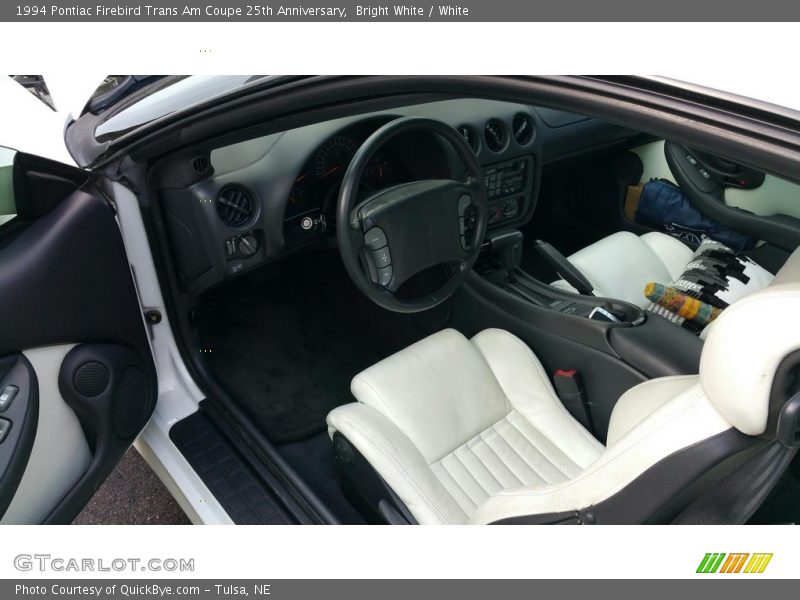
[
  {"x": 334, "y": 156},
  {"x": 298, "y": 192},
  {"x": 377, "y": 171}
]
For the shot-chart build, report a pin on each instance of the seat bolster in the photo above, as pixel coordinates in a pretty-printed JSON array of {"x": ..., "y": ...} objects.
[
  {"x": 439, "y": 392},
  {"x": 671, "y": 251},
  {"x": 397, "y": 461},
  {"x": 685, "y": 420},
  {"x": 641, "y": 400},
  {"x": 743, "y": 350},
  {"x": 527, "y": 387}
]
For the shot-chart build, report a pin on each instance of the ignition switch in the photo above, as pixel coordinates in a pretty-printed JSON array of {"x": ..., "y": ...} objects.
[{"x": 310, "y": 224}]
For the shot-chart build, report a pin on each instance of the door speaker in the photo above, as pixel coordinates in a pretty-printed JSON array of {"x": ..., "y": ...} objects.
[{"x": 91, "y": 379}]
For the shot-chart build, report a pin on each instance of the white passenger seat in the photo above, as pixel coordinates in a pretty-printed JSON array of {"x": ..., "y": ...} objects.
[{"x": 620, "y": 265}]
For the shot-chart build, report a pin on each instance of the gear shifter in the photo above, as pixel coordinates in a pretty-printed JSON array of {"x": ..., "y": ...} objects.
[
  {"x": 565, "y": 269},
  {"x": 507, "y": 247}
]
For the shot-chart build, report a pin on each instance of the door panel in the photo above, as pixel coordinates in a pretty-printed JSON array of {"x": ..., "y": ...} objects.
[
  {"x": 68, "y": 306},
  {"x": 775, "y": 196},
  {"x": 19, "y": 411},
  {"x": 60, "y": 454}
]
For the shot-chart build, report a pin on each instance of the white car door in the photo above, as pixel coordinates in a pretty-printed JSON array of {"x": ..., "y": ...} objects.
[{"x": 77, "y": 380}]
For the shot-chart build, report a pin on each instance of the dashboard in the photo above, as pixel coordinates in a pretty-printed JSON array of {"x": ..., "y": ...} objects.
[{"x": 230, "y": 209}]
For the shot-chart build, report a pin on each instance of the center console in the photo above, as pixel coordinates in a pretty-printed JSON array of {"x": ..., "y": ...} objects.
[
  {"x": 612, "y": 344},
  {"x": 502, "y": 267}
]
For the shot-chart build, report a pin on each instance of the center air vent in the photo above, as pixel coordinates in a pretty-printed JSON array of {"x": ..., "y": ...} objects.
[
  {"x": 523, "y": 127},
  {"x": 235, "y": 206},
  {"x": 469, "y": 136},
  {"x": 495, "y": 135}
]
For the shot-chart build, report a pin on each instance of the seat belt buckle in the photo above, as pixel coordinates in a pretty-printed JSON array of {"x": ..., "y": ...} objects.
[{"x": 570, "y": 390}]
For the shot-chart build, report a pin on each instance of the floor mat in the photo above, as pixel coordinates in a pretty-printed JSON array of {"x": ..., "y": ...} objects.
[{"x": 287, "y": 345}]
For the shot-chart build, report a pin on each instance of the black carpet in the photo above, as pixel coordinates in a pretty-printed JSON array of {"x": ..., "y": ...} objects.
[
  {"x": 783, "y": 505},
  {"x": 287, "y": 343},
  {"x": 313, "y": 460}
]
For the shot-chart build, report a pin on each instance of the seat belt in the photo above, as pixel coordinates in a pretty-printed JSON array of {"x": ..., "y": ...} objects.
[{"x": 570, "y": 390}]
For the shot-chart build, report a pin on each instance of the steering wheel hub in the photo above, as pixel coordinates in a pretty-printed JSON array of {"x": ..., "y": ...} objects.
[{"x": 402, "y": 231}]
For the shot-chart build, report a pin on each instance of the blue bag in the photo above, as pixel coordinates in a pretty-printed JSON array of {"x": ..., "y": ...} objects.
[{"x": 663, "y": 206}]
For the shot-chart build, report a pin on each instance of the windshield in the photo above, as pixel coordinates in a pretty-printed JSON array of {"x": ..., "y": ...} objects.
[{"x": 169, "y": 95}]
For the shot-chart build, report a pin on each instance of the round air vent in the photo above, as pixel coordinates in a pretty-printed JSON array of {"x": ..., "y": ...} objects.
[
  {"x": 235, "y": 206},
  {"x": 524, "y": 128},
  {"x": 495, "y": 135},
  {"x": 469, "y": 136}
]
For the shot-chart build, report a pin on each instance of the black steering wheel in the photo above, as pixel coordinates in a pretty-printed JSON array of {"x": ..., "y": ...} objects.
[{"x": 399, "y": 232}]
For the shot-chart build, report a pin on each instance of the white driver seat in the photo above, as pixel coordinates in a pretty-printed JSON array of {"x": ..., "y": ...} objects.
[
  {"x": 620, "y": 265},
  {"x": 471, "y": 431}
]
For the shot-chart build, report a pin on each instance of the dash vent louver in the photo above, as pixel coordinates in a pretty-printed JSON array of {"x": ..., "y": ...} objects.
[{"x": 235, "y": 206}]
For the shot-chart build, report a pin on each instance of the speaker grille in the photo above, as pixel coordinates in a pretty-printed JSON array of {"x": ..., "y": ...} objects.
[{"x": 91, "y": 379}]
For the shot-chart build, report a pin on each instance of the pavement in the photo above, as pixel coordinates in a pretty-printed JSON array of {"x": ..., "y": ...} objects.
[{"x": 132, "y": 495}]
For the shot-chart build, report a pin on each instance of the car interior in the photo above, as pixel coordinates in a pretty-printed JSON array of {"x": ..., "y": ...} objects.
[{"x": 477, "y": 311}]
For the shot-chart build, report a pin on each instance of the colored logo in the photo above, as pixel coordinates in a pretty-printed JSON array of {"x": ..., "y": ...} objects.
[{"x": 739, "y": 562}]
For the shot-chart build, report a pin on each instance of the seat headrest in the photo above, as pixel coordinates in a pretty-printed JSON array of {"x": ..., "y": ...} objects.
[{"x": 744, "y": 348}]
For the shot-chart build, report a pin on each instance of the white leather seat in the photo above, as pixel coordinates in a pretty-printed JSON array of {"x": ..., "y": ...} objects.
[
  {"x": 620, "y": 265},
  {"x": 471, "y": 431}
]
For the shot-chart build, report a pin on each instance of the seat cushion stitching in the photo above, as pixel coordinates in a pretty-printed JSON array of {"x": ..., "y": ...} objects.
[
  {"x": 533, "y": 469},
  {"x": 521, "y": 458},
  {"x": 499, "y": 458},
  {"x": 455, "y": 480},
  {"x": 485, "y": 466},
  {"x": 589, "y": 471},
  {"x": 475, "y": 479},
  {"x": 445, "y": 474},
  {"x": 535, "y": 447}
]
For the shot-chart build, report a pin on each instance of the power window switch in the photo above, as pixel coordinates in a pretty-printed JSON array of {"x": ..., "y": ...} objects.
[
  {"x": 7, "y": 397},
  {"x": 5, "y": 427}
]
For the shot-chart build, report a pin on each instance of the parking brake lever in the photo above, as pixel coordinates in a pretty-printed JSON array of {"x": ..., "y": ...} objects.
[{"x": 565, "y": 269}]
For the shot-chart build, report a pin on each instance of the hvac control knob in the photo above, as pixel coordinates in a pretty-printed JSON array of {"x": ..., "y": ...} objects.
[{"x": 247, "y": 245}]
